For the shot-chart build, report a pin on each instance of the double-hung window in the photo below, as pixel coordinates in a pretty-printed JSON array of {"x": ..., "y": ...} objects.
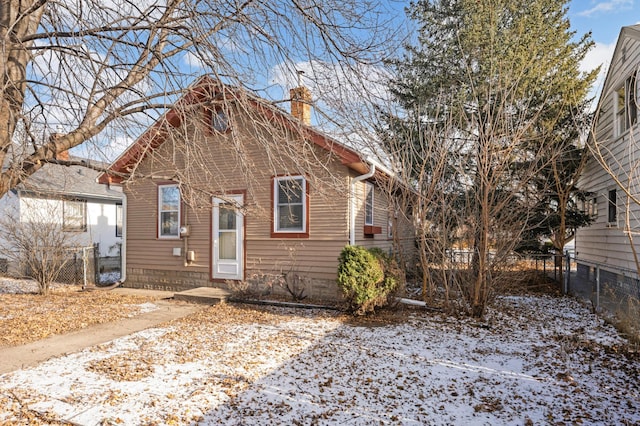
[
  {"x": 74, "y": 215},
  {"x": 368, "y": 204},
  {"x": 626, "y": 106},
  {"x": 168, "y": 211},
  {"x": 290, "y": 207}
]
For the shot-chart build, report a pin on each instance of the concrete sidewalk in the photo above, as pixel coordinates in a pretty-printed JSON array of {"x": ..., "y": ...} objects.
[{"x": 31, "y": 354}]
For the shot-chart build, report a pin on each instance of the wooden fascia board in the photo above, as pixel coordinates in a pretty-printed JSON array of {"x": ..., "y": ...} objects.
[
  {"x": 206, "y": 88},
  {"x": 153, "y": 137},
  {"x": 145, "y": 144}
]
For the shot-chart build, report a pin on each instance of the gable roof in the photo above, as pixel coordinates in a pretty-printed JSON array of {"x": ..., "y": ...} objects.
[
  {"x": 209, "y": 88},
  {"x": 631, "y": 31}
]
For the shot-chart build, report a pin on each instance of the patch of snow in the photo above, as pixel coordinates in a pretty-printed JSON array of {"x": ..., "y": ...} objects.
[
  {"x": 17, "y": 286},
  {"x": 533, "y": 360},
  {"x": 143, "y": 308},
  {"x": 109, "y": 277}
]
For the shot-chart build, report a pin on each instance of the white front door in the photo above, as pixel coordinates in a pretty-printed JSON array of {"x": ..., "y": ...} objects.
[{"x": 228, "y": 238}]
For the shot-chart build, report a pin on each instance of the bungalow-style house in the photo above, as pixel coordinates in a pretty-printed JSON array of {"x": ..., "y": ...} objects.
[
  {"x": 613, "y": 171},
  {"x": 71, "y": 199},
  {"x": 226, "y": 190}
]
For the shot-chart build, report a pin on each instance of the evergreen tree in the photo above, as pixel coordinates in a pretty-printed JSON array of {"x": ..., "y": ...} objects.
[{"x": 502, "y": 79}]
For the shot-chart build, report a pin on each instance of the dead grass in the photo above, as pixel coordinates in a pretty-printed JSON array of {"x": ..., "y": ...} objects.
[{"x": 26, "y": 318}]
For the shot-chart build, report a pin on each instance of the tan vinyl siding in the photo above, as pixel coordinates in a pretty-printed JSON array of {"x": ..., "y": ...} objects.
[
  {"x": 328, "y": 205},
  {"x": 402, "y": 243}
]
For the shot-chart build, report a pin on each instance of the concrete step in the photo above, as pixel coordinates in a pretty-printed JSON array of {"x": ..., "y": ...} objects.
[{"x": 205, "y": 295}]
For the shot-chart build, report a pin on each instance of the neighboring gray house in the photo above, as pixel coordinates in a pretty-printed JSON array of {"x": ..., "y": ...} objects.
[
  {"x": 71, "y": 197},
  {"x": 609, "y": 243}
]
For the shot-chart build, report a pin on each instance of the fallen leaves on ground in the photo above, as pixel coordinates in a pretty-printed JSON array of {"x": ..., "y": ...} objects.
[
  {"x": 533, "y": 360},
  {"x": 28, "y": 318}
]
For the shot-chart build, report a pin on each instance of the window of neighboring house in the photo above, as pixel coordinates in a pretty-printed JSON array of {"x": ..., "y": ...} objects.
[
  {"x": 168, "y": 211},
  {"x": 74, "y": 213},
  {"x": 591, "y": 207},
  {"x": 626, "y": 107},
  {"x": 368, "y": 204},
  {"x": 290, "y": 206},
  {"x": 392, "y": 223},
  {"x": 118, "y": 220},
  {"x": 613, "y": 207}
]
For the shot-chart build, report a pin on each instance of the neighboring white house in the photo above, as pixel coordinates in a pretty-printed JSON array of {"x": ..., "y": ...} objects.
[
  {"x": 615, "y": 138},
  {"x": 69, "y": 196}
]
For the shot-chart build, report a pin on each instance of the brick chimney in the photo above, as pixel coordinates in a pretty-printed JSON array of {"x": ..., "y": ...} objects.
[
  {"x": 301, "y": 104},
  {"x": 64, "y": 155}
]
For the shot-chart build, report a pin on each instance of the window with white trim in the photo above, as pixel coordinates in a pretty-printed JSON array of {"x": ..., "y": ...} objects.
[
  {"x": 368, "y": 204},
  {"x": 168, "y": 211},
  {"x": 74, "y": 213},
  {"x": 290, "y": 204},
  {"x": 626, "y": 105}
]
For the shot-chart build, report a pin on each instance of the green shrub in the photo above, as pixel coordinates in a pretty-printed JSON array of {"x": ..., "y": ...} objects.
[{"x": 361, "y": 277}]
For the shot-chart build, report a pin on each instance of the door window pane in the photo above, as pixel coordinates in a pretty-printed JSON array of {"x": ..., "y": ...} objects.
[
  {"x": 227, "y": 245},
  {"x": 227, "y": 217}
]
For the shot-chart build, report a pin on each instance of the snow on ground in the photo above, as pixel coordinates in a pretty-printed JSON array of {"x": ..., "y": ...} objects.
[
  {"x": 109, "y": 277},
  {"x": 533, "y": 360},
  {"x": 17, "y": 286}
]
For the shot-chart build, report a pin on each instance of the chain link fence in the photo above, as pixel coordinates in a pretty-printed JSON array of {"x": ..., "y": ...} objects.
[
  {"x": 82, "y": 266},
  {"x": 610, "y": 290},
  {"x": 547, "y": 264},
  {"x": 79, "y": 268}
]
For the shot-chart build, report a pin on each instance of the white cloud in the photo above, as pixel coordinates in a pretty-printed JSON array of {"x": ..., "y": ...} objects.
[
  {"x": 601, "y": 56},
  {"x": 344, "y": 97},
  {"x": 607, "y": 6}
]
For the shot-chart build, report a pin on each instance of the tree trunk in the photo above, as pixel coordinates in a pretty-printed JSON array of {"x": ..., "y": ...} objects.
[{"x": 18, "y": 19}]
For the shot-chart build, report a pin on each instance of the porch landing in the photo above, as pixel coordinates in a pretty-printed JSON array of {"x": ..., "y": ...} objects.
[{"x": 205, "y": 295}]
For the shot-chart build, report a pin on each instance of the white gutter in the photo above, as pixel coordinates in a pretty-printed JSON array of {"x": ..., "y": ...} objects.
[{"x": 352, "y": 196}]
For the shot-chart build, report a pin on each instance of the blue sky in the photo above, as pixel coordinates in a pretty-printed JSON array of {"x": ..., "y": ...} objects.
[{"x": 604, "y": 19}]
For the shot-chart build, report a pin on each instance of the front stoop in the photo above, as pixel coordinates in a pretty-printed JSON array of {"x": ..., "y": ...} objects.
[{"x": 205, "y": 295}]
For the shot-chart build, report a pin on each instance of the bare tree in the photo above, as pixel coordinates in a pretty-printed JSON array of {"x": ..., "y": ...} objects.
[
  {"x": 35, "y": 243},
  {"x": 101, "y": 71},
  {"x": 494, "y": 92}
]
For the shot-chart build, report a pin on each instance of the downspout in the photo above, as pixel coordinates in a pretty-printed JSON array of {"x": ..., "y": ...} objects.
[
  {"x": 352, "y": 197},
  {"x": 123, "y": 246}
]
